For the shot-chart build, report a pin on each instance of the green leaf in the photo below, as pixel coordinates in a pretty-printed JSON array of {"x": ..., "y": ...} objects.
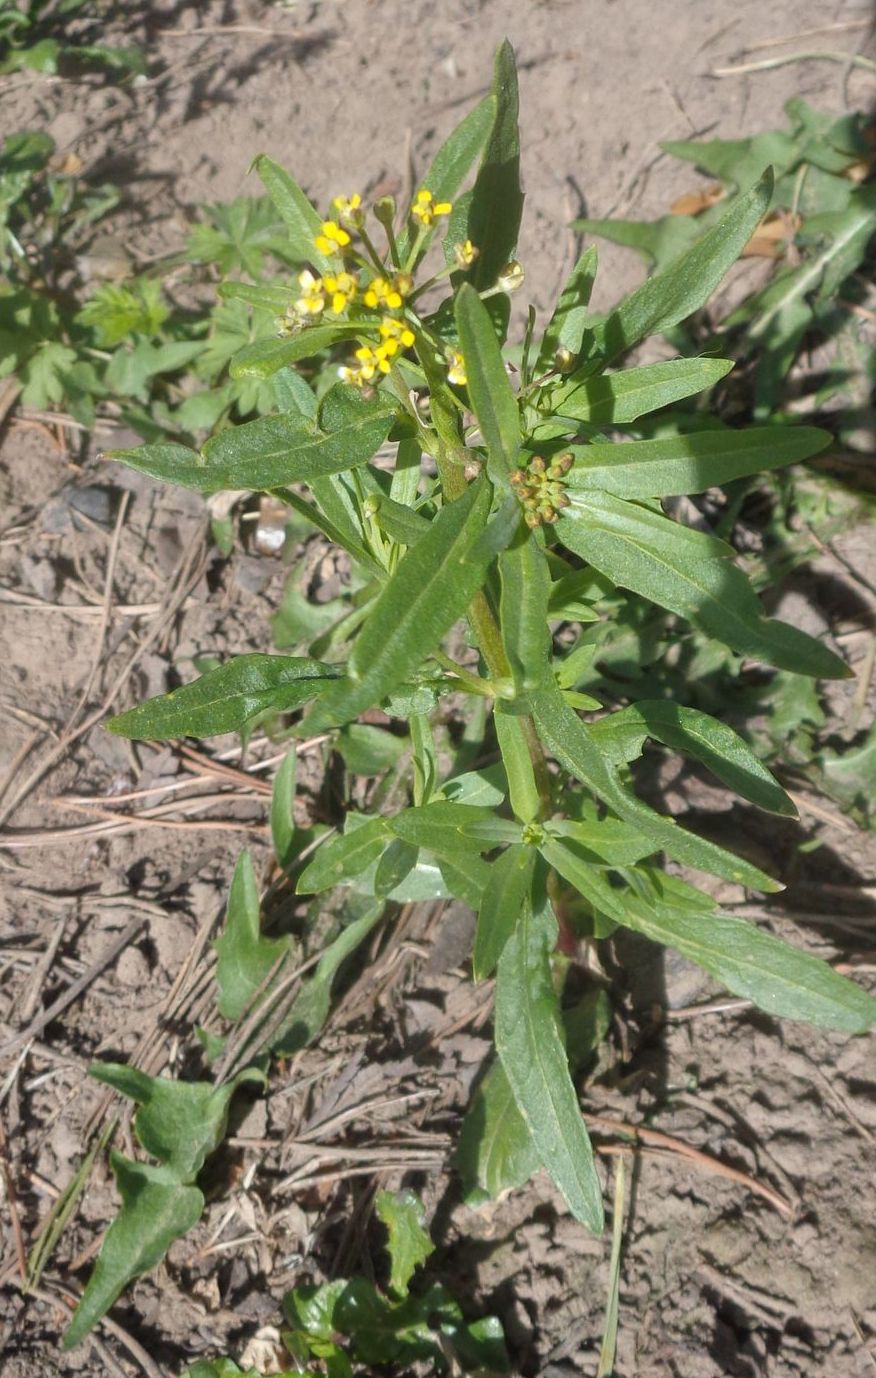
[
  {"x": 689, "y": 463},
  {"x": 621, "y": 736},
  {"x": 523, "y": 608},
  {"x": 245, "y": 958},
  {"x": 453, "y": 161},
  {"x": 344, "y": 857},
  {"x": 689, "y": 281},
  {"x": 489, "y": 387},
  {"x": 284, "y": 830},
  {"x": 409, "y": 1244},
  {"x": 157, "y": 1208},
  {"x": 571, "y": 742},
  {"x": 394, "y": 866},
  {"x": 263, "y": 358},
  {"x": 496, "y": 1152},
  {"x": 690, "y": 574},
  {"x": 620, "y": 398},
  {"x": 310, "y": 1008},
  {"x": 529, "y": 1042},
  {"x": 522, "y": 791},
  {"x": 567, "y": 324},
  {"x": 302, "y": 221},
  {"x": 226, "y": 699},
  {"x": 268, "y": 453},
  {"x": 850, "y": 774},
  {"x": 369, "y": 750},
  {"x": 430, "y": 590},
  {"x": 441, "y": 827},
  {"x": 179, "y": 1122},
  {"x": 118, "y": 310},
  {"x": 497, "y": 201},
  {"x": 757, "y": 966},
  {"x": 822, "y": 275},
  {"x": 262, "y": 295},
  {"x": 465, "y": 876},
  {"x": 509, "y": 884},
  {"x": 43, "y": 374}
]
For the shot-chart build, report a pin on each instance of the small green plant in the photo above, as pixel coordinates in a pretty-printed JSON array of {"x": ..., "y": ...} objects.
[
  {"x": 350, "y": 1326},
  {"x": 123, "y": 348},
  {"x": 506, "y": 531},
  {"x": 35, "y": 34},
  {"x": 820, "y": 221}
]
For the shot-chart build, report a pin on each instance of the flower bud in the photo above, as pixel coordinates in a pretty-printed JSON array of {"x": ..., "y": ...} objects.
[
  {"x": 511, "y": 277},
  {"x": 564, "y": 360},
  {"x": 384, "y": 210}
]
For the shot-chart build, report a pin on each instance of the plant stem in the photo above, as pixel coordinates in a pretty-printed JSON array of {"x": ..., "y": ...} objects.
[{"x": 451, "y": 459}]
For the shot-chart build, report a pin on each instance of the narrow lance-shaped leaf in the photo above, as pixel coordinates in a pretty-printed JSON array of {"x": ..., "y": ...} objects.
[
  {"x": 284, "y": 831},
  {"x": 310, "y": 1008},
  {"x": 688, "y": 282},
  {"x": 620, "y": 398},
  {"x": 245, "y": 958},
  {"x": 227, "y": 698},
  {"x": 570, "y": 742},
  {"x": 453, "y": 161},
  {"x": 430, "y": 590},
  {"x": 757, "y": 966},
  {"x": 529, "y": 1042},
  {"x": 566, "y": 326},
  {"x": 489, "y": 387},
  {"x": 302, "y": 220},
  {"x": 690, "y": 574},
  {"x": 344, "y": 857},
  {"x": 262, "y": 295},
  {"x": 497, "y": 200},
  {"x": 689, "y": 463},
  {"x": 523, "y": 608},
  {"x": 621, "y": 737},
  {"x": 447, "y": 828},
  {"x": 269, "y": 452},
  {"x": 509, "y": 884},
  {"x": 516, "y": 759},
  {"x": 263, "y": 358}
]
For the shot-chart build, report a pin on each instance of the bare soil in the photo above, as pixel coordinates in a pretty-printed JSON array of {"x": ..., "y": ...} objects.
[{"x": 109, "y": 590}]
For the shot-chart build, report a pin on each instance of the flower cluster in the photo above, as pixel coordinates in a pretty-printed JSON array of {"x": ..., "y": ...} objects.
[
  {"x": 541, "y": 490},
  {"x": 388, "y": 293},
  {"x": 394, "y": 336},
  {"x": 385, "y": 294}
]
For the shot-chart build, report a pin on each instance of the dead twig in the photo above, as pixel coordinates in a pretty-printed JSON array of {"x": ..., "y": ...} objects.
[
  {"x": 768, "y": 64},
  {"x": 704, "y": 1160}
]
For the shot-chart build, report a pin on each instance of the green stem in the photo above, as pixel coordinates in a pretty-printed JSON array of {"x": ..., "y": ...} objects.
[{"x": 451, "y": 459}]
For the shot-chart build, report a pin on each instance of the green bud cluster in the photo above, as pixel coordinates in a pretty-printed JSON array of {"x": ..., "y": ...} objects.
[{"x": 541, "y": 490}]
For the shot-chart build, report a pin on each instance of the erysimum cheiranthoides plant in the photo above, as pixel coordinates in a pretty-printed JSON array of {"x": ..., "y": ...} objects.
[{"x": 526, "y": 503}]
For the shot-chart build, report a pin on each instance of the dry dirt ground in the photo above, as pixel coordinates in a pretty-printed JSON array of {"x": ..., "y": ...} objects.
[{"x": 109, "y": 587}]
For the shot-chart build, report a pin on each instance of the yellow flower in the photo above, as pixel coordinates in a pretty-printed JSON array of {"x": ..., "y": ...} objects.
[
  {"x": 348, "y": 210},
  {"x": 395, "y": 335},
  {"x": 332, "y": 239},
  {"x": 381, "y": 292},
  {"x": 341, "y": 288},
  {"x": 312, "y": 299},
  {"x": 425, "y": 207},
  {"x": 465, "y": 254},
  {"x": 456, "y": 369},
  {"x": 371, "y": 363}
]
